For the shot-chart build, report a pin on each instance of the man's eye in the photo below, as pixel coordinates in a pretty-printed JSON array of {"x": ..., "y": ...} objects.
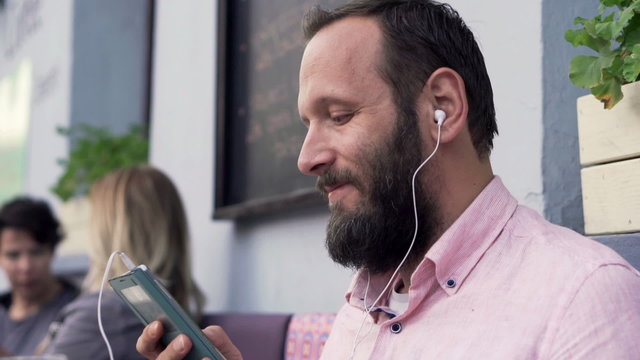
[
  {"x": 11, "y": 255},
  {"x": 342, "y": 119}
]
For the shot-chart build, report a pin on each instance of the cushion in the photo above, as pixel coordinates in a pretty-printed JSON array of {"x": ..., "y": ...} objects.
[
  {"x": 257, "y": 335},
  {"x": 307, "y": 335}
]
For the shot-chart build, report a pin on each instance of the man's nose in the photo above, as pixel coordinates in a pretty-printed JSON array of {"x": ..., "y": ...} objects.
[
  {"x": 316, "y": 156},
  {"x": 24, "y": 262}
]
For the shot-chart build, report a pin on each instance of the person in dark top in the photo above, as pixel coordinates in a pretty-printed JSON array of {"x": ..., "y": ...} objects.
[{"x": 29, "y": 234}]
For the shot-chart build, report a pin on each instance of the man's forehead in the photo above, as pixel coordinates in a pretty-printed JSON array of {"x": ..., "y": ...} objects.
[
  {"x": 16, "y": 237},
  {"x": 347, "y": 41}
]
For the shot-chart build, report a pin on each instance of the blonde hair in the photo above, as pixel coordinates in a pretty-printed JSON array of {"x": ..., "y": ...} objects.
[{"x": 138, "y": 210}]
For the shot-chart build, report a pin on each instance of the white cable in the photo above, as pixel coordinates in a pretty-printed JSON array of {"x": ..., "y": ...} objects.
[
  {"x": 129, "y": 264},
  {"x": 367, "y": 310}
]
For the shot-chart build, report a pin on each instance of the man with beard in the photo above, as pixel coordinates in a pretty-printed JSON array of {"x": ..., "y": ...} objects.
[{"x": 463, "y": 271}]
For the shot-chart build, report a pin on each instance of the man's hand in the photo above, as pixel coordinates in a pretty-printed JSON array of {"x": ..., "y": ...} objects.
[{"x": 149, "y": 343}]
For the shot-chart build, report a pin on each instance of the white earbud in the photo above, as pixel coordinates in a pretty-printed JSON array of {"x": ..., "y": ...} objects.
[{"x": 440, "y": 116}]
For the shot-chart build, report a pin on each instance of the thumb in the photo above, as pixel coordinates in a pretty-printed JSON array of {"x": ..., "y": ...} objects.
[{"x": 221, "y": 341}]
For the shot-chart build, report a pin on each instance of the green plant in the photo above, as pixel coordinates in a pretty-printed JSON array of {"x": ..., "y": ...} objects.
[
  {"x": 616, "y": 39},
  {"x": 96, "y": 152}
]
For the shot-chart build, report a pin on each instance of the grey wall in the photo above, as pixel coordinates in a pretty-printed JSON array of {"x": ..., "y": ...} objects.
[
  {"x": 627, "y": 245},
  {"x": 110, "y": 63},
  {"x": 560, "y": 157}
]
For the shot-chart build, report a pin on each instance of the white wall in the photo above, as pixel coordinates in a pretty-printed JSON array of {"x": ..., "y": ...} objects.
[
  {"x": 50, "y": 48},
  {"x": 278, "y": 263},
  {"x": 182, "y": 131},
  {"x": 42, "y": 36},
  {"x": 510, "y": 36}
]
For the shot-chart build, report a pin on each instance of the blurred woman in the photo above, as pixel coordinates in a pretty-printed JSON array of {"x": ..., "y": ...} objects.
[
  {"x": 138, "y": 211},
  {"x": 29, "y": 234}
]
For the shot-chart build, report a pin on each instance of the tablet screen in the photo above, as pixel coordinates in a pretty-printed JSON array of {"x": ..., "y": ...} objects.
[{"x": 147, "y": 308}]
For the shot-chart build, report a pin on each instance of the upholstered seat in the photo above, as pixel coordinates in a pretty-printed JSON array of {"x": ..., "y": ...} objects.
[{"x": 275, "y": 336}]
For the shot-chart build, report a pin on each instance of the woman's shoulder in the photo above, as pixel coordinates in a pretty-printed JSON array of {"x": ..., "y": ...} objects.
[
  {"x": 110, "y": 305},
  {"x": 78, "y": 335}
]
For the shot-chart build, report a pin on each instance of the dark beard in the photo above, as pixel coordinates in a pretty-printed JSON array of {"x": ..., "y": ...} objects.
[{"x": 377, "y": 234}]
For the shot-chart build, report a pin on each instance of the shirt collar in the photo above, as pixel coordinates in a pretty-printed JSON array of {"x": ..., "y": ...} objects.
[
  {"x": 459, "y": 249},
  {"x": 363, "y": 291},
  {"x": 456, "y": 252}
]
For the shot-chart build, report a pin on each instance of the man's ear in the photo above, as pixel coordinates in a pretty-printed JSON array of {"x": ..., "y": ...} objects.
[{"x": 445, "y": 90}]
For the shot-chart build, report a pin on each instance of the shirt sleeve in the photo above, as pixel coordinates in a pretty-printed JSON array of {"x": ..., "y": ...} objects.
[
  {"x": 78, "y": 336},
  {"x": 602, "y": 321}
]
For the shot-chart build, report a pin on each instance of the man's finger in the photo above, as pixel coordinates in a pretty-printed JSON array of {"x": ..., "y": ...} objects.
[
  {"x": 177, "y": 349},
  {"x": 149, "y": 342}
]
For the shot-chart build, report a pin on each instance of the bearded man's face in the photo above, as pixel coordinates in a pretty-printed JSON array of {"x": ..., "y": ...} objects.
[{"x": 377, "y": 233}]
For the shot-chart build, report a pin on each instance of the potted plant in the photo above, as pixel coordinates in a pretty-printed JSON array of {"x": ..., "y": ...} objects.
[
  {"x": 94, "y": 153},
  {"x": 609, "y": 119}
]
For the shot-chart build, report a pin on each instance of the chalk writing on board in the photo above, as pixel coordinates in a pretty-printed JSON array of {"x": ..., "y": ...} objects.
[{"x": 262, "y": 133}]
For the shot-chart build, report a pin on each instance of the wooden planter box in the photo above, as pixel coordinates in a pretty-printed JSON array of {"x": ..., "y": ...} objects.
[{"x": 610, "y": 156}]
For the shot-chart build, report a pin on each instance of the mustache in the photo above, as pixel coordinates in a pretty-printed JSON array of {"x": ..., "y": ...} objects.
[{"x": 334, "y": 177}]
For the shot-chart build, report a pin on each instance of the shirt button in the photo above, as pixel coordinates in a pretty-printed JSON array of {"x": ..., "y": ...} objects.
[
  {"x": 451, "y": 283},
  {"x": 396, "y": 328}
]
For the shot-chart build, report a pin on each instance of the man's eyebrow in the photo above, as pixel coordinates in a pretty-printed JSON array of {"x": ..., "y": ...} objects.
[{"x": 329, "y": 99}]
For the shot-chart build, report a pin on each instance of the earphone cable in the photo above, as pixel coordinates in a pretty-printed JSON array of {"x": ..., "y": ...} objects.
[
  {"x": 367, "y": 310},
  {"x": 129, "y": 264}
]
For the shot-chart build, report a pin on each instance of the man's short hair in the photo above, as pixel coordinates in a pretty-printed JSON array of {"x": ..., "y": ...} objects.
[
  {"x": 33, "y": 216},
  {"x": 421, "y": 36}
]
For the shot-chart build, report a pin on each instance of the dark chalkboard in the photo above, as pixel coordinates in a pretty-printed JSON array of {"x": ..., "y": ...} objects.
[{"x": 258, "y": 132}]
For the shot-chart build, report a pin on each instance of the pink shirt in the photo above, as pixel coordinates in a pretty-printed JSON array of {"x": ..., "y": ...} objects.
[{"x": 501, "y": 283}]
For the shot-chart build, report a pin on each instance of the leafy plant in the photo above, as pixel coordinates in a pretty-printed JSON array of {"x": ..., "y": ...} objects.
[
  {"x": 95, "y": 152},
  {"x": 616, "y": 39}
]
